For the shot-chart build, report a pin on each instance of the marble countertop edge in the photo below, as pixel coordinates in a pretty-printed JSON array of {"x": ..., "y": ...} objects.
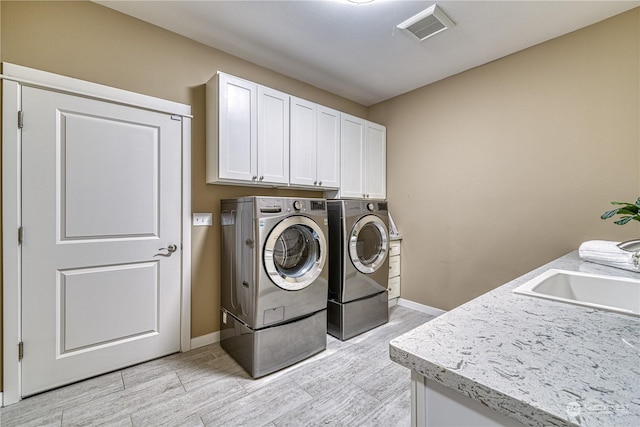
[{"x": 489, "y": 397}]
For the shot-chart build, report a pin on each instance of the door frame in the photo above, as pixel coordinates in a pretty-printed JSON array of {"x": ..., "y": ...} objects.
[{"x": 13, "y": 78}]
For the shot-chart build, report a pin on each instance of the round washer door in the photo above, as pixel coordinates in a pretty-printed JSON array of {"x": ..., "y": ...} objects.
[
  {"x": 295, "y": 253},
  {"x": 368, "y": 244}
]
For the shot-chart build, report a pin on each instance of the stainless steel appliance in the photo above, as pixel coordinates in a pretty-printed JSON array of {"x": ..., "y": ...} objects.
[
  {"x": 358, "y": 266},
  {"x": 274, "y": 281}
]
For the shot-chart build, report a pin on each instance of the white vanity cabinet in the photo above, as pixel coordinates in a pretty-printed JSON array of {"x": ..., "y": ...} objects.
[
  {"x": 363, "y": 171},
  {"x": 394, "y": 270},
  {"x": 247, "y": 132},
  {"x": 315, "y": 145}
]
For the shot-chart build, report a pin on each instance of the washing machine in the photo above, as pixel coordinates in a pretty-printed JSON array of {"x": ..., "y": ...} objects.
[
  {"x": 274, "y": 281},
  {"x": 358, "y": 266}
]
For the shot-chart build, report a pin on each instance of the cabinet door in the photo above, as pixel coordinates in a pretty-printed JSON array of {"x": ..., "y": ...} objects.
[
  {"x": 375, "y": 161},
  {"x": 328, "y": 150},
  {"x": 303, "y": 142},
  {"x": 273, "y": 136},
  {"x": 237, "y": 128},
  {"x": 352, "y": 147}
]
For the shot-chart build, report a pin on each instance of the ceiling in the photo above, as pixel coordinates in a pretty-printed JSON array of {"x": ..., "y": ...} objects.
[{"x": 355, "y": 50}]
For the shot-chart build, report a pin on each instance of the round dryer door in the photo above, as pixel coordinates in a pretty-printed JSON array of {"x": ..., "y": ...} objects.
[
  {"x": 295, "y": 253},
  {"x": 368, "y": 244}
]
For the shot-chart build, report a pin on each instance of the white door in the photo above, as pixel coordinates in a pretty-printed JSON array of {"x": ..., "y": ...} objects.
[{"x": 101, "y": 195}]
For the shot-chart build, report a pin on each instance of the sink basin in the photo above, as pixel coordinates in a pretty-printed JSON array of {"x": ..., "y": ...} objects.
[{"x": 610, "y": 293}]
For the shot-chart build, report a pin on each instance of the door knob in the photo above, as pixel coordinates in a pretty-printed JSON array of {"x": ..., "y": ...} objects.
[{"x": 170, "y": 249}]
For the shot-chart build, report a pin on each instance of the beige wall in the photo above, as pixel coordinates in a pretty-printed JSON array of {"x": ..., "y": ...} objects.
[{"x": 502, "y": 168}]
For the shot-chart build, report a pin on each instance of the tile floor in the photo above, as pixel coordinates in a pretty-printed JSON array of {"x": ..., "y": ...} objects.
[{"x": 351, "y": 383}]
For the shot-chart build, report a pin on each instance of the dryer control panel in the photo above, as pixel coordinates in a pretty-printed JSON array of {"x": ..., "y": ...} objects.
[{"x": 355, "y": 207}]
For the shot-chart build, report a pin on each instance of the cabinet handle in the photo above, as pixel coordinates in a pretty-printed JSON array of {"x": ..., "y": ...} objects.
[
  {"x": 319, "y": 182},
  {"x": 261, "y": 177},
  {"x": 315, "y": 182},
  {"x": 253, "y": 178}
]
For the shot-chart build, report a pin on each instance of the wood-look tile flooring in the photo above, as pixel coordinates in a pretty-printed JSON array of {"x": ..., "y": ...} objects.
[{"x": 351, "y": 383}]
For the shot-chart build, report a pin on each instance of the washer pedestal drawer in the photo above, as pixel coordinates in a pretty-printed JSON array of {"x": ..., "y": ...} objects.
[
  {"x": 264, "y": 351},
  {"x": 355, "y": 317}
]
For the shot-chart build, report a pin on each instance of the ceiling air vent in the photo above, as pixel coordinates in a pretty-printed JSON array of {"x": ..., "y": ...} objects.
[{"x": 427, "y": 23}]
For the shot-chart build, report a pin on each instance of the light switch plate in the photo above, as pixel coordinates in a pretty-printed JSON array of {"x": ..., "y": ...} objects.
[{"x": 202, "y": 219}]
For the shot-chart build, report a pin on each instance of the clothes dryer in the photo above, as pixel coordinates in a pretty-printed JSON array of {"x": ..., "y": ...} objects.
[
  {"x": 274, "y": 281},
  {"x": 358, "y": 266}
]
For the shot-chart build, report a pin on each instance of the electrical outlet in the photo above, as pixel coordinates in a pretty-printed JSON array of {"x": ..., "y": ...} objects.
[{"x": 202, "y": 219}]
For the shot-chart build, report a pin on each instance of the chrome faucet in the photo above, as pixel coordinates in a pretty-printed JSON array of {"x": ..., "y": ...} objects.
[{"x": 632, "y": 246}]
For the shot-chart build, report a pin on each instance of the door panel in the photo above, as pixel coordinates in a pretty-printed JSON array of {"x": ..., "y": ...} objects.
[
  {"x": 125, "y": 153},
  {"x": 376, "y": 162},
  {"x": 101, "y": 196},
  {"x": 351, "y": 166},
  {"x": 106, "y": 304},
  {"x": 303, "y": 142},
  {"x": 328, "y": 147},
  {"x": 273, "y": 136},
  {"x": 237, "y": 128}
]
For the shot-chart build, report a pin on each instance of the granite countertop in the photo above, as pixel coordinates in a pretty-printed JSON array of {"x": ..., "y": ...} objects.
[{"x": 539, "y": 361}]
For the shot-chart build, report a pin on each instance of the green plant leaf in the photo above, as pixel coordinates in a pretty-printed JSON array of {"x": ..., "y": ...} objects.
[
  {"x": 619, "y": 203},
  {"x": 628, "y": 211},
  {"x": 623, "y": 220},
  {"x": 609, "y": 214}
]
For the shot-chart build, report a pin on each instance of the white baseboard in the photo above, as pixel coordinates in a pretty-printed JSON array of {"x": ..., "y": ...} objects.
[
  {"x": 420, "y": 307},
  {"x": 203, "y": 340}
]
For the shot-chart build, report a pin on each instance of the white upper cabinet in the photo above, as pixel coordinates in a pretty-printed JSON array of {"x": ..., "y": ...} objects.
[
  {"x": 315, "y": 145},
  {"x": 273, "y": 136},
  {"x": 260, "y": 136},
  {"x": 232, "y": 129},
  {"x": 247, "y": 132},
  {"x": 352, "y": 164},
  {"x": 328, "y": 147},
  {"x": 375, "y": 161},
  {"x": 363, "y": 159},
  {"x": 304, "y": 124}
]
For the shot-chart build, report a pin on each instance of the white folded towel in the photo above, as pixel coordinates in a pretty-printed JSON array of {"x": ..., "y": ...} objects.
[{"x": 608, "y": 253}]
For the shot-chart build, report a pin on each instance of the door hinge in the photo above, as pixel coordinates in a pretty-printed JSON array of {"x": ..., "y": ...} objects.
[
  {"x": 20, "y": 235},
  {"x": 20, "y": 119},
  {"x": 20, "y": 350}
]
